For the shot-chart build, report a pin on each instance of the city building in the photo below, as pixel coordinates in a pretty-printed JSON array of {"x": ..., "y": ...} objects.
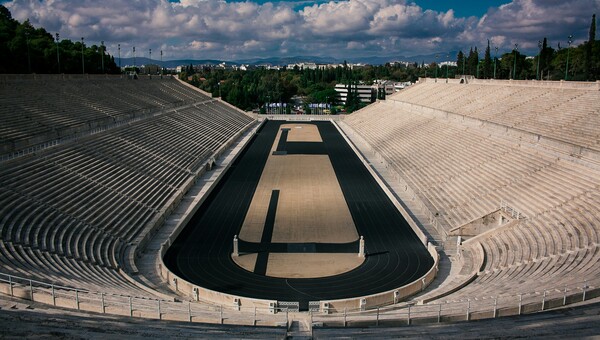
[{"x": 366, "y": 93}]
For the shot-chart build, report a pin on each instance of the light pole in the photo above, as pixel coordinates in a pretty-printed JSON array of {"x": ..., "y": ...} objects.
[
  {"x": 437, "y": 56},
  {"x": 568, "y": 52},
  {"x": 447, "y": 62},
  {"x": 134, "y": 69},
  {"x": 539, "y": 57},
  {"x": 161, "y": 64},
  {"x": 102, "y": 52},
  {"x": 119, "y": 47},
  {"x": 57, "y": 53},
  {"x": 495, "y": 59},
  {"x": 82, "y": 59},
  {"x": 515, "y": 63},
  {"x": 150, "y": 57}
]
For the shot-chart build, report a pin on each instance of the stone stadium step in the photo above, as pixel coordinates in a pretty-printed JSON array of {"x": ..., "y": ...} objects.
[{"x": 543, "y": 187}]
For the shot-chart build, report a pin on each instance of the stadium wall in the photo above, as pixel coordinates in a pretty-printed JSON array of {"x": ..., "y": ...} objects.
[{"x": 385, "y": 298}]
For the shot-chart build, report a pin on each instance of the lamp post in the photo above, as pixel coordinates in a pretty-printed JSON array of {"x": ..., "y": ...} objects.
[
  {"x": 150, "y": 57},
  {"x": 161, "y": 64},
  {"x": 437, "y": 56},
  {"x": 102, "y": 52},
  {"x": 119, "y": 47},
  {"x": 495, "y": 59},
  {"x": 134, "y": 70},
  {"x": 57, "y": 53},
  {"x": 568, "y": 52},
  {"x": 515, "y": 63},
  {"x": 82, "y": 59},
  {"x": 447, "y": 62},
  {"x": 539, "y": 57}
]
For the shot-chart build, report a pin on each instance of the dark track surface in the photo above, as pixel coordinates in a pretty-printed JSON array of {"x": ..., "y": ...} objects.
[{"x": 201, "y": 254}]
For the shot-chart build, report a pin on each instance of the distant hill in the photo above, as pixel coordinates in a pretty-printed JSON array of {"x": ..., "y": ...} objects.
[
  {"x": 282, "y": 61},
  {"x": 290, "y": 60},
  {"x": 168, "y": 63}
]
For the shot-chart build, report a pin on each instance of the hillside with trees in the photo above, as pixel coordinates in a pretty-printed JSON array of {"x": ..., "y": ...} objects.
[{"x": 26, "y": 49}]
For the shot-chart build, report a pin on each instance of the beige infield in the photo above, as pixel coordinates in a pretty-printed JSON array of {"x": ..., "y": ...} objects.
[{"x": 311, "y": 209}]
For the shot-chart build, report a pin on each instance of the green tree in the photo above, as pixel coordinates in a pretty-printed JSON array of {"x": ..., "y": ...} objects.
[
  {"x": 473, "y": 61},
  {"x": 460, "y": 60},
  {"x": 487, "y": 62},
  {"x": 26, "y": 49},
  {"x": 353, "y": 102},
  {"x": 589, "y": 57}
]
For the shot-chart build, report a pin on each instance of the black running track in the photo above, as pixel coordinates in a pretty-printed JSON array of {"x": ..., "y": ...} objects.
[{"x": 202, "y": 252}]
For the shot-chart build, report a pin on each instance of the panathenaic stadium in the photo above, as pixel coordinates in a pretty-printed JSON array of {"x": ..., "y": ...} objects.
[{"x": 145, "y": 207}]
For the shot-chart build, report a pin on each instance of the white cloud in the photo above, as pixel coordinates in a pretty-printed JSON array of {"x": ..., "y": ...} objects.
[
  {"x": 527, "y": 21},
  {"x": 228, "y": 30}
]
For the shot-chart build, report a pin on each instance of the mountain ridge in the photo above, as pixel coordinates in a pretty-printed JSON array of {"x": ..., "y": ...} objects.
[{"x": 284, "y": 61}]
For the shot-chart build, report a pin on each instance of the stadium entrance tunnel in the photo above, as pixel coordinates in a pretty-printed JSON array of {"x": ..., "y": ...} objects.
[{"x": 297, "y": 200}]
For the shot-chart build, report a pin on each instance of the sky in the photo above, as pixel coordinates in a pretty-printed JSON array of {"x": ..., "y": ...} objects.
[{"x": 236, "y": 30}]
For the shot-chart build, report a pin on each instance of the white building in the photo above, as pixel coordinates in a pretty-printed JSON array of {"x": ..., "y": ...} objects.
[
  {"x": 303, "y": 66},
  {"x": 366, "y": 93},
  {"x": 449, "y": 63}
]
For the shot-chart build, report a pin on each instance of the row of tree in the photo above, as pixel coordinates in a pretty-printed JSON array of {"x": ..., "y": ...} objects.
[
  {"x": 251, "y": 89},
  {"x": 26, "y": 49},
  {"x": 570, "y": 63}
]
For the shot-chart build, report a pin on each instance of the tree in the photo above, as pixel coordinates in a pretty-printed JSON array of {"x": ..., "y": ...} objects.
[
  {"x": 472, "y": 61},
  {"x": 487, "y": 62},
  {"x": 460, "y": 60},
  {"x": 353, "y": 102},
  {"x": 589, "y": 58},
  {"x": 546, "y": 56},
  {"x": 26, "y": 49}
]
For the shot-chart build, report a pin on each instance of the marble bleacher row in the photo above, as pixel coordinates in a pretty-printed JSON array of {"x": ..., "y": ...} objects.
[
  {"x": 567, "y": 114},
  {"x": 462, "y": 173},
  {"x": 55, "y": 108},
  {"x": 68, "y": 213}
]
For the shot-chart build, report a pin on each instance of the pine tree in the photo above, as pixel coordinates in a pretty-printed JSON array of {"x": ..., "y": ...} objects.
[
  {"x": 472, "y": 61},
  {"x": 546, "y": 56},
  {"x": 487, "y": 62},
  {"x": 460, "y": 60},
  {"x": 589, "y": 58}
]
